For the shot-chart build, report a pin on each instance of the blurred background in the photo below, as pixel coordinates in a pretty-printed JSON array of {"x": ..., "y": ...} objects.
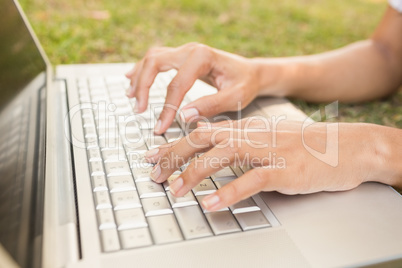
[{"x": 95, "y": 31}]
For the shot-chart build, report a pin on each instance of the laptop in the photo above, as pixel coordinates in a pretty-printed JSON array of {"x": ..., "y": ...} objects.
[{"x": 75, "y": 191}]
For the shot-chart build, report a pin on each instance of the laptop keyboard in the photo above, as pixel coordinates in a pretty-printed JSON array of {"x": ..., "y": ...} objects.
[{"x": 132, "y": 210}]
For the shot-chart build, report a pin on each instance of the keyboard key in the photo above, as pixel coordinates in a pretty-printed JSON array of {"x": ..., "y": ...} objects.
[
  {"x": 184, "y": 201},
  {"x": 117, "y": 169},
  {"x": 88, "y": 121},
  {"x": 174, "y": 127},
  {"x": 137, "y": 160},
  {"x": 135, "y": 147},
  {"x": 109, "y": 143},
  {"x": 82, "y": 84},
  {"x": 156, "y": 206},
  {"x": 125, "y": 200},
  {"x": 147, "y": 123},
  {"x": 106, "y": 219},
  {"x": 192, "y": 222},
  {"x": 115, "y": 80},
  {"x": 142, "y": 173},
  {"x": 157, "y": 110},
  {"x": 246, "y": 205},
  {"x": 164, "y": 229},
  {"x": 114, "y": 155},
  {"x": 172, "y": 136},
  {"x": 134, "y": 139},
  {"x": 221, "y": 183},
  {"x": 252, "y": 220},
  {"x": 130, "y": 218},
  {"x": 245, "y": 168},
  {"x": 188, "y": 127},
  {"x": 222, "y": 222},
  {"x": 94, "y": 154},
  {"x": 146, "y": 115},
  {"x": 150, "y": 189},
  {"x": 205, "y": 187},
  {"x": 102, "y": 200},
  {"x": 99, "y": 97},
  {"x": 156, "y": 101},
  {"x": 85, "y": 98},
  {"x": 108, "y": 133},
  {"x": 200, "y": 198},
  {"x": 110, "y": 240},
  {"x": 135, "y": 238},
  {"x": 224, "y": 174},
  {"x": 129, "y": 125},
  {"x": 90, "y": 131},
  {"x": 156, "y": 143},
  {"x": 99, "y": 183},
  {"x": 91, "y": 142},
  {"x": 170, "y": 179},
  {"x": 123, "y": 111},
  {"x": 121, "y": 183},
  {"x": 96, "y": 168}
]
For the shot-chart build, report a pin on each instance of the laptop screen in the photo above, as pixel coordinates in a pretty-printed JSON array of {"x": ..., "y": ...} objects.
[
  {"x": 22, "y": 83},
  {"x": 20, "y": 60}
]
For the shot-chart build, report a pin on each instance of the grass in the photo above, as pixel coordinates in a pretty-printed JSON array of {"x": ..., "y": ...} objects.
[{"x": 92, "y": 31}]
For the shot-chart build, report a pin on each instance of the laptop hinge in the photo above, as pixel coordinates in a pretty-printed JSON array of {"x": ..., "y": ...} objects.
[{"x": 60, "y": 240}]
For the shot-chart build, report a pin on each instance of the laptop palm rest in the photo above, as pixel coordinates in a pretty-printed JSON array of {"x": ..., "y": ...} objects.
[{"x": 341, "y": 228}]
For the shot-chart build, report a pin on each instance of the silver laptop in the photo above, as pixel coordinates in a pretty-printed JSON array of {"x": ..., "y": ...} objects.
[{"x": 76, "y": 191}]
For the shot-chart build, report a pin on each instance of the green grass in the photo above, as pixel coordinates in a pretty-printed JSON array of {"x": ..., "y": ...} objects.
[{"x": 92, "y": 31}]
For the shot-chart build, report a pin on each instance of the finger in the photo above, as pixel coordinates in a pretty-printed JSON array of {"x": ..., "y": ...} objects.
[
  {"x": 228, "y": 152},
  {"x": 130, "y": 72},
  {"x": 159, "y": 60},
  {"x": 207, "y": 106},
  {"x": 252, "y": 182},
  {"x": 153, "y": 155},
  {"x": 202, "y": 167},
  {"x": 254, "y": 138},
  {"x": 194, "y": 67},
  {"x": 133, "y": 79},
  {"x": 133, "y": 75},
  {"x": 179, "y": 154}
]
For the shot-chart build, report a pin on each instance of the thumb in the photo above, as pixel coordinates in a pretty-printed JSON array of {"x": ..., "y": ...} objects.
[{"x": 208, "y": 106}]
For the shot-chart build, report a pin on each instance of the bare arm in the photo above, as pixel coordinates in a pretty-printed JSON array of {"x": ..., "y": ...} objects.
[
  {"x": 361, "y": 71},
  {"x": 358, "y": 72}
]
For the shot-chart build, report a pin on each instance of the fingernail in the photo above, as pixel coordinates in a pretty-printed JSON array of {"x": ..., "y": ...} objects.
[
  {"x": 152, "y": 152},
  {"x": 203, "y": 124},
  {"x": 158, "y": 126},
  {"x": 128, "y": 91},
  {"x": 156, "y": 172},
  {"x": 189, "y": 113},
  {"x": 210, "y": 201},
  {"x": 176, "y": 185},
  {"x": 136, "y": 108}
]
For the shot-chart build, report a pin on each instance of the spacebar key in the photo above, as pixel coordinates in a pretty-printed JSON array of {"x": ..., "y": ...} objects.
[{"x": 192, "y": 222}]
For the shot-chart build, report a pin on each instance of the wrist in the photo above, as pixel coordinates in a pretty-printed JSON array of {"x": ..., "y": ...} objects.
[
  {"x": 275, "y": 77},
  {"x": 386, "y": 155}
]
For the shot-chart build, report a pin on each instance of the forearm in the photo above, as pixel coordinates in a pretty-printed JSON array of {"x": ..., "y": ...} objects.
[
  {"x": 357, "y": 72},
  {"x": 362, "y": 71}
]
